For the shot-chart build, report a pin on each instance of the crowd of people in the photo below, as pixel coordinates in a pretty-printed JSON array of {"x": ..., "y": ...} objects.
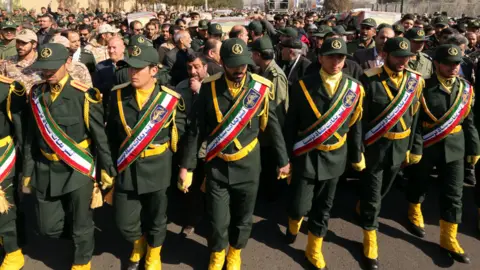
[{"x": 96, "y": 109}]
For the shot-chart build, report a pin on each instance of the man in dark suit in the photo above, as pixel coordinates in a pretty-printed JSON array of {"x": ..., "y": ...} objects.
[
  {"x": 211, "y": 51},
  {"x": 371, "y": 58},
  {"x": 46, "y": 31},
  {"x": 176, "y": 59},
  {"x": 295, "y": 64}
]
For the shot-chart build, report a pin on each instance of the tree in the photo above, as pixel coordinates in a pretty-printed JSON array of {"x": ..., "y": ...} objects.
[{"x": 337, "y": 5}]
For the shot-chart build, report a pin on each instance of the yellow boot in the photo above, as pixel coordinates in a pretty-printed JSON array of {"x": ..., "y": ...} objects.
[
  {"x": 370, "y": 249},
  {"x": 13, "y": 261},
  {"x": 449, "y": 242},
  {"x": 139, "y": 250},
  {"x": 292, "y": 230},
  {"x": 152, "y": 260},
  {"x": 313, "y": 251},
  {"x": 81, "y": 266},
  {"x": 415, "y": 216},
  {"x": 217, "y": 260},
  {"x": 234, "y": 262}
]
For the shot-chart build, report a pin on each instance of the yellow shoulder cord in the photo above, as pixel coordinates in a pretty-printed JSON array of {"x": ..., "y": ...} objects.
[
  {"x": 127, "y": 129},
  {"x": 19, "y": 93},
  {"x": 86, "y": 107},
  {"x": 357, "y": 115},
  {"x": 174, "y": 132}
]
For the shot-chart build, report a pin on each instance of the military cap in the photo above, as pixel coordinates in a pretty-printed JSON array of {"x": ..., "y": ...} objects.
[
  {"x": 51, "y": 56},
  {"x": 333, "y": 46},
  {"x": 234, "y": 53},
  {"x": 292, "y": 43},
  {"x": 398, "y": 46},
  {"x": 203, "y": 25},
  {"x": 26, "y": 35},
  {"x": 255, "y": 26},
  {"x": 340, "y": 30},
  {"x": 441, "y": 21},
  {"x": 474, "y": 24},
  {"x": 322, "y": 31},
  {"x": 398, "y": 28},
  {"x": 261, "y": 44},
  {"x": 215, "y": 29},
  {"x": 448, "y": 53},
  {"x": 288, "y": 31},
  {"x": 139, "y": 40},
  {"x": 416, "y": 34},
  {"x": 369, "y": 22},
  {"x": 141, "y": 57},
  {"x": 9, "y": 24}
]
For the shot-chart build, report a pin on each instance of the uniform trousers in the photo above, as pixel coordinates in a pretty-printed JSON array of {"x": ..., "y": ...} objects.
[{"x": 8, "y": 228}]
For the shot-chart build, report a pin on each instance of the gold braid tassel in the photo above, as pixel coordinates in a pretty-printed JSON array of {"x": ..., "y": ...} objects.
[
  {"x": 108, "y": 198},
  {"x": 4, "y": 204},
  {"x": 174, "y": 133},
  {"x": 96, "y": 197},
  {"x": 264, "y": 115}
]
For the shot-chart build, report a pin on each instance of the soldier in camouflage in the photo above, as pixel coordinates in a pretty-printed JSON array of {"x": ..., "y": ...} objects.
[{"x": 420, "y": 62}]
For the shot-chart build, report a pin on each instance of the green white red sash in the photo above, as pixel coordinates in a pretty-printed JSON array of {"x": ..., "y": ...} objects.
[
  {"x": 395, "y": 111},
  {"x": 326, "y": 126},
  {"x": 452, "y": 118},
  {"x": 242, "y": 111},
  {"x": 7, "y": 161},
  {"x": 65, "y": 147},
  {"x": 150, "y": 124}
]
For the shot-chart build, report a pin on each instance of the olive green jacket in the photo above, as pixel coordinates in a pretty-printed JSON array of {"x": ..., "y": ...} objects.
[
  {"x": 423, "y": 65},
  {"x": 146, "y": 174},
  {"x": 9, "y": 50},
  {"x": 68, "y": 112},
  {"x": 203, "y": 122},
  {"x": 320, "y": 164},
  {"x": 355, "y": 45},
  {"x": 455, "y": 146},
  {"x": 392, "y": 152}
]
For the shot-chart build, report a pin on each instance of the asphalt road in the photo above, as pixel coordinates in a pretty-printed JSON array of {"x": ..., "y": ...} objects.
[{"x": 342, "y": 247}]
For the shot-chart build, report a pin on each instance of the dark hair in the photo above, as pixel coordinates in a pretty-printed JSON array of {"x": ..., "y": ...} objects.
[
  {"x": 178, "y": 21},
  {"x": 65, "y": 33},
  {"x": 148, "y": 24},
  {"x": 71, "y": 16},
  {"x": 267, "y": 54},
  {"x": 46, "y": 15},
  {"x": 132, "y": 24},
  {"x": 165, "y": 25},
  {"x": 236, "y": 33},
  {"x": 191, "y": 57},
  {"x": 408, "y": 17},
  {"x": 173, "y": 29},
  {"x": 84, "y": 27},
  {"x": 278, "y": 17},
  {"x": 209, "y": 45},
  {"x": 448, "y": 31}
]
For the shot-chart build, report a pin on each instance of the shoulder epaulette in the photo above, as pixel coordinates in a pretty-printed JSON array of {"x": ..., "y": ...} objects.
[
  {"x": 274, "y": 73},
  {"x": 120, "y": 86},
  {"x": 262, "y": 80},
  {"x": 212, "y": 78},
  {"x": 426, "y": 56},
  {"x": 87, "y": 51},
  {"x": 80, "y": 86},
  {"x": 414, "y": 71},
  {"x": 373, "y": 71},
  {"x": 6, "y": 79},
  {"x": 171, "y": 92}
]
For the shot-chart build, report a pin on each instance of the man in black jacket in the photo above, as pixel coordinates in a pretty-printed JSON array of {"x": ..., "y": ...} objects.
[
  {"x": 295, "y": 64},
  {"x": 211, "y": 51},
  {"x": 176, "y": 59}
]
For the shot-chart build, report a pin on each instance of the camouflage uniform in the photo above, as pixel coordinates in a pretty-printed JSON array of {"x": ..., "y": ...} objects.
[
  {"x": 79, "y": 72},
  {"x": 20, "y": 71},
  {"x": 99, "y": 52}
]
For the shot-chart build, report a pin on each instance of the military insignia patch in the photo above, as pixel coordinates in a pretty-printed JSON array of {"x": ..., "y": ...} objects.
[
  {"x": 46, "y": 53},
  {"x": 136, "y": 51},
  {"x": 158, "y": 114},
  {"x": 237, "y": 49},
  {"x": 421, "y": 33},
  {"x": 218, "y": 27},
  {"x": 403, "y": 45},
  {"x": 251, "y": 99},
  {"x": 336, "y": 45},
  {"x": 453, "y": 51},
  {"x": 141, "y": 40},
  {"x": 349, "y": 98}
]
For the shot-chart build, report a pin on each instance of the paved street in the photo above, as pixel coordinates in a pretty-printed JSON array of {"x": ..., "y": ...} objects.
[{"x": 342, "y": 247}]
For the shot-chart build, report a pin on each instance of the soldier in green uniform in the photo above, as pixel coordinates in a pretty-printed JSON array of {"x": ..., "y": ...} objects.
[
  {"x": 31, "y": 16},
  {"x": 440, "y": 23},
  {"x": 65, "y": 134},
  {"x": 215, "y": 31},
  {"x": 199, "y": 41},
  {"x": 389, "y": 119},
  {"x": 7, "y": 46},
  {"x": 420, "y": 62},
  {"x": 144, "y": 123},
  {"x": 16, "y": 17},
  {"x": 13, "y": 103},
  {"x": 365, "y": 41},
  {"x": 263, "y": 56},
  {"x": 447, "y": 129},
  {"x": 318, "y": 148},
  {"x": 232, "y": 161}
]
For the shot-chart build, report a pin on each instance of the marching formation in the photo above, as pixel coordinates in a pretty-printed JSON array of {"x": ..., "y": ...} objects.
[{"x": 114, "y": 116}]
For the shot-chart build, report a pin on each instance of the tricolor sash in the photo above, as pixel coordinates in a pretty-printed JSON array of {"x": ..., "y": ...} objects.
[
  {"x": 65, "y": 147},
  {"x": 452, "y": 117},
  {"x": 326, "y": 126},
  {"x": 243, "y": 110},
  {"x": 147, "y": 128},
  {"x": 395, "y": 111},
  {"x": 7, "y": 161}
]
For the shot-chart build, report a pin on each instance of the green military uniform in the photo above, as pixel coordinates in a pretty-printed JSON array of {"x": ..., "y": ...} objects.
[
  {"x": 385, "y": 155},
  {"x": 140, "y": 200},
  {"x": 357, "y": 44},
  {"x": 433, "y": 42},
  {"x": 233, "y": 174},
  {"x": 9, "y": 49},
  {"x": 12, "y": 105},
  {"x": 87, "y": 58},
  {"x": 18, "y": 19},
  {"x": 31, "y": 18},
  {"x": 197, "y": 42},
  {"x": 61, "y": 190},
  {"x": 446, "y": 153},
  {"x": 422, "y": 63},
  {"x": 316, "y": 171}
]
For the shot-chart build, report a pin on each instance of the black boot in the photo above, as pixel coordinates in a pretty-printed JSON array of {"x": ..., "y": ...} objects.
[
  {"x": 290, "y": 238},
  {"x": 370, "y": 264},
  {"x": 416, "y": 230},
  {"x": 462, "y": 258},
  {"x": 133, "y": 265}
]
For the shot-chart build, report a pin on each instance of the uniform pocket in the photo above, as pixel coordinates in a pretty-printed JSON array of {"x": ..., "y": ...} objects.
[{"x": 71, "y": 125}]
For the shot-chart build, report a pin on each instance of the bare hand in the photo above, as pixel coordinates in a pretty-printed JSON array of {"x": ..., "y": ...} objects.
[
  {"x": 182, "y": 176},
  {"x": 195, "y": 85},
  {"x": 284, "y": 172}
]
